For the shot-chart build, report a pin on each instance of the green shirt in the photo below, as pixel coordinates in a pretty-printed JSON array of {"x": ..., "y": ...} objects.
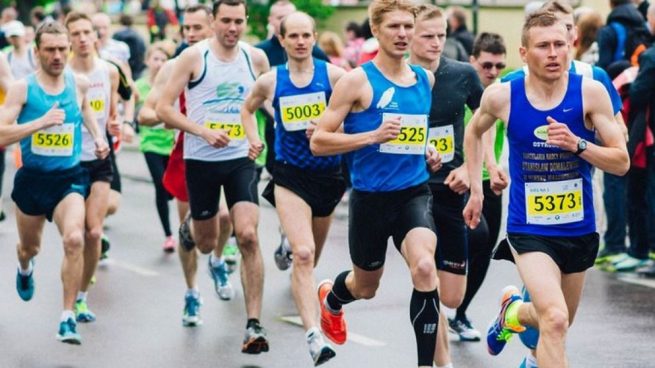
[
  {"x": 498, "y": 144},
  {"x": 153, "y": 139}
]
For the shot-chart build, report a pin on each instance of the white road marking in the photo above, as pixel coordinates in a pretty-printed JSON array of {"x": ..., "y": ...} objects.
[
  {"x": 637, "y": 280},
  {"x": 356, "y": 338},
  {"x": 130, "y": 267}
]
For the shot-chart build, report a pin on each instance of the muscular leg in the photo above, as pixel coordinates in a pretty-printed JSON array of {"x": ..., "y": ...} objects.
[
  {"x": 246, "y": 217},
  {"x": 30, "y": 230},
  {"x": 224, "y": 228},
  {"x": 114, "y": 202},
  {"x": 189, "y": 259},
  {"x": 69, "y": 217},
  {"x": 96, "y": 210}
]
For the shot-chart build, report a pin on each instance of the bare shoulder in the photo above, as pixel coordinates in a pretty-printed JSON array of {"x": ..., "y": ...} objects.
[
  {"x": 430, "y": 76},
  {"x": 259, "y": 59},
  {"x": 335, "y": 72},
  {"x": 81, "y": 81},
  {"x": 18, "y": 88},
  {"x": 496, "y": 96},
  {"x": 355, "y": 77},
  {"x": 592, "y": 88},
  {"x": 265, "y": 84}
]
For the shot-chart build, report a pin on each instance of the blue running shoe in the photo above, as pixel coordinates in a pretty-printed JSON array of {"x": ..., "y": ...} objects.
[
  {"x": 25, "y": 284},
  {"x": 500, "y": 332},
  {"x": 68, "y": 332},
  {"x": 222, "y": 285},
  {"x": 191, "y": 317},
  {"x": 529, "y": 337},
  {"x": 82, "y": 312}
]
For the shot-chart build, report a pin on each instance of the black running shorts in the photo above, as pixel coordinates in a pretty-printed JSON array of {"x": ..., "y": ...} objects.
[{"x": 452, "y": 235}]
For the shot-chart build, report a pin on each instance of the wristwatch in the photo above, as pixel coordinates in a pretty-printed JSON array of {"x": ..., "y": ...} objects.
[{"x": 582, "y": 145}]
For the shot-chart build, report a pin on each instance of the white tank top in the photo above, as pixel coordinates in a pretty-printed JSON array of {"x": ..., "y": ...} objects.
[
  {"x": 21, "y": 66},
  {"x": 214, "y": 100},
  {"x": 99, "y": 97}
]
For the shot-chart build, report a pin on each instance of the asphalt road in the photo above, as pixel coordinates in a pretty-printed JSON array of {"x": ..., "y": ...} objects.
[{"x": 138, "y": 299}]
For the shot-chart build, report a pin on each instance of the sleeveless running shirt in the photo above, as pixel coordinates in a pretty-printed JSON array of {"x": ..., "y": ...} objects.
[
  {"x": 21, "y": 67},
  {"x": 400, "y": 163},
  {"x": 551, "y": 192},
  {"x": 214, "y": 100},
  {"x": 294, "y": 108},
  {"x": 57, "y": 147},
  {"x": 98, "y": 96}
]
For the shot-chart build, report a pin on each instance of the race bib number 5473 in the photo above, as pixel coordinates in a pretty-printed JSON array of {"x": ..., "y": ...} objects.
[{"x": 413, "y": 135}]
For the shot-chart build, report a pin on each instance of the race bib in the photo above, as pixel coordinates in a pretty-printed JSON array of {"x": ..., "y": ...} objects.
[
  {"x": 297, "y": 111},
  {"x": 412, "y": 137},
  {"x": 443, "y": 140},
  {"x": 554, "y": 203},
  {"x": 54, "y": 141},
  {"x": 230, "y": 123},
  {"x": 97, "y": 103}
]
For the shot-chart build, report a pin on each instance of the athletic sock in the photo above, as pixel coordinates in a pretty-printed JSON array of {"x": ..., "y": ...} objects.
[
  {"x": 192, "y": 292},
  {"x": 530, "y": 361},
  {"x": 82, "y": 295},
  {"x": 512, "y": 314},
  {"x": 339, "y": 295},
  {"x": 311, "y": 333},
  {"x": 449, "y": 365},
  {"x": 424, "y": 315},
  {"x": 215, "y": 261},
  {"x": 252, "y": 322},
  {"x": 66, "y": 314},
  {"x": 26, "y": 272}
]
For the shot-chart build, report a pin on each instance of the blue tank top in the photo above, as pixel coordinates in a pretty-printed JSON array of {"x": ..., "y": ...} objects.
[
  {"x": 58, "y": 147},
  {"x": 550, "y": 191},
  {"x": 398, "y": 164},
  {"x": 294, "y": 108}
]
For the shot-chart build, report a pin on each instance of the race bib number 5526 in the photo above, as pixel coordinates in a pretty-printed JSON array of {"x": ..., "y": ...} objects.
[
  {"x": 54, "y": 141},
  {"x": 413, "y": 135}
]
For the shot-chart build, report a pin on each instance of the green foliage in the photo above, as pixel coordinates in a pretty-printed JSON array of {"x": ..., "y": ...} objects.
[{"x": 258, "y": 13}]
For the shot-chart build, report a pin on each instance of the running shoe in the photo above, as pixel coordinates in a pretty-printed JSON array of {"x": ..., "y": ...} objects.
[
  {"x": 105, "y": 245},
  {"x": 254, "y": 341},
  {"x": 529, "y": 337},
  {"x": 627, "y": 264},
  {"x": 283, "y": 256},
  {"x": 222, "y": 284},
  {"x": 651, "y": 255},
  {"x": 191, "y": 316},
  {"x": 185, "y": 234},
  {"x": 500, "y": 332},
  {"x": 82, "y": 312},
  {"x": 463, "y": 328},
  {"x": 25, "y": 284},
  {"x": 169, "y": 245},
  {"x": 605, "y": 256},
  {"x": 231, "y": 254},
  {"x": 319, "y": 350},
  {"x": 648, "y": 271},
  {"x": 333, "y": 325},
  {"x": 2, "y": 216},
  {"x": 68, "y": 332}
]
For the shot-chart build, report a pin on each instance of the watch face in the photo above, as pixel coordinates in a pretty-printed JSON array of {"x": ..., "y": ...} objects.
[{"x": 582, "y": 144}]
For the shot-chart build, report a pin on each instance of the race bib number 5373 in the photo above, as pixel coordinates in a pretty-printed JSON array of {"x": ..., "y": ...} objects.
[{"x": 554, "y": 203}]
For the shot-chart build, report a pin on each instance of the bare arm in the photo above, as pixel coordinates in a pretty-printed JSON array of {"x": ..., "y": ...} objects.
[
  {"x": 10, "y": 132},
  {"x": 147, "y": 115},
  {"x": 89, "y": 119},
  {"x": 5, "y": 74},
  {"x": 261, "y": 91},
  {"x": 113, "y": 125}
]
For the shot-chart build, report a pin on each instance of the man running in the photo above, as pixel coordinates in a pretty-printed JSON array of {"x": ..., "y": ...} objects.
[
  {"x": 50, "y": 107},
  {"x": 102, "y": 98},
  {"x": 305, "y": 189},
  {"x": 456, "y": 86},
  {"x": 216, "y": 74},
  {"x": 551, "y": 118},
  {"x": 384, "y": 109},
  {"x": 196, "y": 27}
]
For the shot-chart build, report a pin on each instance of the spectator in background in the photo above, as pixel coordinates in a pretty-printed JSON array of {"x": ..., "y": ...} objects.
[
  {"x": 459, "y": 31},
  {"x": 21, "y": 57},
  {"x": 38, "y": 16},
  {"x": 587, "y": 48},
  {"x": 135, "y": 43},
  {"x": 642, "y": 6},
  {"x": 109, "y": 48},
  {"x": 8, "y": 14},
  {"x": 623, "y": 15},
  {"x": 332, "y": 45},
  {"x": 370, "y": 46},
  {"x": 158, "y": 18},
  {"x": 29, "y": 35},
  {"x": 354, "y": 42}
]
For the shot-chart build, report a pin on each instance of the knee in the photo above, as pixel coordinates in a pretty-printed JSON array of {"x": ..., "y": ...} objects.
[
  {"x": 247, "y": 239},
  {"x": 205, "y": 242},
  {"x": 73, "y": 242},
  {"x": 424, "y": 273},
  {"x": 303, "y": 256},
  {"x": 365, "y": 291},
  {"x": 451, "y": 300},
  {"x": 554, "y": 322}
]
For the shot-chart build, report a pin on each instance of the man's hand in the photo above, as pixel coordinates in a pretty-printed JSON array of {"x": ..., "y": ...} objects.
[
  {"x": 473, "y": 210},
  {"x": 387, "y": 131},
  {"x": 561, "y": 136},
  {"x": 54, "y": 116},
  {"x": 497, "y": 179},
  {"x": 255, "y": 149},
  {"x": 458, "y": 180},
  {"x": 102, "y": 149},
  {"x": 310, "y": 129},
  {"x": 128, "y": 133},
  {"x": 433, "y": 159},
  {"x": 216, "y": 138},
  {"x": 113, "y": 127}
]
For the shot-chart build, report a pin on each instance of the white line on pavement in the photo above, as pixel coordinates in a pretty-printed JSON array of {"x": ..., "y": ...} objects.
[
  {"x": 358, "y": 339},
  {"x": 637, "y": 280},
  {"x": 130, "y": 267}
]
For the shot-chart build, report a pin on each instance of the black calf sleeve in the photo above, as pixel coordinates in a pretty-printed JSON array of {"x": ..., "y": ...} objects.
[
  {"x": 424, "y": 314},
  {"x": 340, "y": 294}
]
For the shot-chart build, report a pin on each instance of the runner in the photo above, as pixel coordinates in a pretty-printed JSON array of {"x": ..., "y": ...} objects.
[
  {"x": 50, "y": 107},
  {"x": 305, "y": 189},
  {"x": 196, "y": 27},
  {"x": 551, "y": 226},
  {"x": 102, "y": 97},
  {"x": 384, "y": 109},
  {"x": 21, "y": 55},
  {"x": 216, "y": 74},
  {"x": 5, "y": 80},
  {"x": 456, "y": 86}
]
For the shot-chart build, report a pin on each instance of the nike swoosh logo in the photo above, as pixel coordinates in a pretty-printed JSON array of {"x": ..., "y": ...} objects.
[{"x": 567, "y": 110}]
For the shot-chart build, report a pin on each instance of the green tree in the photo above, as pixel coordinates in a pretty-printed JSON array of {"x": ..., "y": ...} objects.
[{"x": 258, "y": 13}]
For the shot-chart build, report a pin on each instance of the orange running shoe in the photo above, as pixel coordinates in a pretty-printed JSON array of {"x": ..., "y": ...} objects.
[{"x": 333, "y": 325}]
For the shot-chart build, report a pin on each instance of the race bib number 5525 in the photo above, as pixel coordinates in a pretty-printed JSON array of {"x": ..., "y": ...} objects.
[{"x": 413, "y": 135}]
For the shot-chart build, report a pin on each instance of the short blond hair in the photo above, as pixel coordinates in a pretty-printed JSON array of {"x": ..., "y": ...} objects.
[
  {"x": 379, "y": 8},
  {"x": 540, "y": 18}
]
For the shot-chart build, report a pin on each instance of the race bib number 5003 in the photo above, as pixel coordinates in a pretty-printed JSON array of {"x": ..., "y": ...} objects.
[
  {"x": 413, "y": 135},
  {"x": 297, "y": 111}
]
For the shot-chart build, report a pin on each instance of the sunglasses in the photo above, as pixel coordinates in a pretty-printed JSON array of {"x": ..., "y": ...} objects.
[{"x": 489, "y": 65}]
